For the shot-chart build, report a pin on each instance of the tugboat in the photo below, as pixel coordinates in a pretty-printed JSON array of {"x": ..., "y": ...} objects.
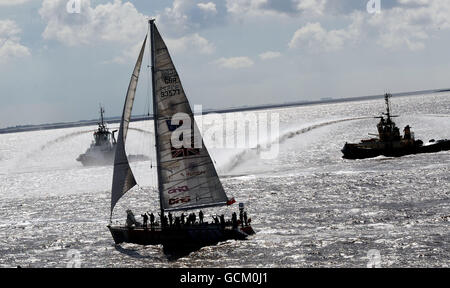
[
  {"x": 389, "y": 141},
  {"x": 103, "y": 147}
]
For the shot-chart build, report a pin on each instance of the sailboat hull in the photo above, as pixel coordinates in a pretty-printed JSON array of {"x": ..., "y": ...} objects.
[{"x": 182, "y": 237}]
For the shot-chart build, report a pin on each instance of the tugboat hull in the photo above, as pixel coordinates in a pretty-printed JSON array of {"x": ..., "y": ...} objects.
[
  {"x": 104, "y": 158},
  {"x": 359, "y": 151},
  {"x": 435, "y": 146},
  {"x": 353, "y": 151}
]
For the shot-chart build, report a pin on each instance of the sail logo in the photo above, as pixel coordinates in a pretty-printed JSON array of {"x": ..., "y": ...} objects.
[{"x": 179, "y": 189}]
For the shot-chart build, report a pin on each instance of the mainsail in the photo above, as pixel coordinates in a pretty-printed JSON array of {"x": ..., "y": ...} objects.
[
  {"x": 123, "y": 178},
  {"x": 186, "y": 175}
]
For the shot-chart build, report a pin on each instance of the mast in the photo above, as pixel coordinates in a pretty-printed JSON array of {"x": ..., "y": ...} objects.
[
  {"x": 388, "y": 110},
  {"x": 102, "y": 124},
  {"x": 101, "y": 113},
  {"x": 155, "y": 114}
]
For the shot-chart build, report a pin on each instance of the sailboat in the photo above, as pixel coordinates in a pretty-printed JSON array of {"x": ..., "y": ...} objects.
[{"x": 187, "y": 178}]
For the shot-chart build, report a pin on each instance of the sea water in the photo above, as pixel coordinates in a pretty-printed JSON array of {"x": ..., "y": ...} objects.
[{"x": 309, "y": 207}]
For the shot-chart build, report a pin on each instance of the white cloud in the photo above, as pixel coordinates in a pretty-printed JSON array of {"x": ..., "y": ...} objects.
[
  {"x": 275, "y": 7},
  {"x": 111, "y": 22},
  {"x": 10, "y": 46},
  {"x": 314, "y": 37},
  {"x": 269, "y": 55},
  {"x": 13, "y": 2},
  {"x": 410, "y": 26},
  {"x": 192, "y": 42},
  {"x": 314, "y": 6},
  {"x": 234, "y": 62},
  {"x": 209, "y": 7},
  {"x": 186, "y": 16},
  {"x": 128, "y": 56}
]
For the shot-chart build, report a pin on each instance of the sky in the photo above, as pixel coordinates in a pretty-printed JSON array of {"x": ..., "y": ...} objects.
[{"x": 58, "y": 65}]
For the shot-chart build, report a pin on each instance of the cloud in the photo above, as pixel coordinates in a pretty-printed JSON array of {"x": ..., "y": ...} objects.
[
  {"x": 269, "y": 55},
  {"x": 185, "y": 16},
  {"x": 10, "y": 46},
  {"x": 315, "y": 38},
  {"x": 314, "y": 6},
  {"x": 111, "y": 22},
  {"x": 234, "y": 62},
  {"x": 13, "y": 2},
  {"x": 192, "y": 42},
  {"x": 411, "y": 24},
  {"x": 209, "y": 7},
  {"x": 401, "y": 24},
  {"x": 275, "y": 7}
]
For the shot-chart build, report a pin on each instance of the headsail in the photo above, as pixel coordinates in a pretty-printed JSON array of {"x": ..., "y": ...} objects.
[
  {"x": 123, "y": 178},
  {"x": 187, "y": 177}
]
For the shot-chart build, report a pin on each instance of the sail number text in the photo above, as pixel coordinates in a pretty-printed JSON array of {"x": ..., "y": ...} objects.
[
  {"x": 170, "y": 90},
  {"x": 169, "y": 93}
]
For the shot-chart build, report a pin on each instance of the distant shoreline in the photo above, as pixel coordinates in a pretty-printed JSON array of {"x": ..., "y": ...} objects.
[{"x": 82, "y": 123}]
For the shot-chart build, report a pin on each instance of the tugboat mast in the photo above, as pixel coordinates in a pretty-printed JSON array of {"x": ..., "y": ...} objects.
[
  {"x": 388, "y": 109},
  {"x": 101, "y": 114}
]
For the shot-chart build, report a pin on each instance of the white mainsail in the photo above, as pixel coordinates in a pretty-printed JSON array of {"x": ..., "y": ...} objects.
[
  {"x": 123, "y": 178},
  {"x": 187, "y": 177}
]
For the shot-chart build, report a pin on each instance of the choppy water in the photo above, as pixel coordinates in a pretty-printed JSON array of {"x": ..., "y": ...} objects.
[{"x": 310, "y": 207}]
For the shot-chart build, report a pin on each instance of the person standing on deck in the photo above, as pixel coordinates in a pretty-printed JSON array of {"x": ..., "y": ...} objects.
[
  {"x": 200, "y": 216},
  {"x": 222, "y": 221},
  {"x": 241, "y": 217},
  {"x": 182, "y": 218},
  {"x": 152, "y": 219},
  {"x": 170, "y": 219},
  {"x": 145, "y": 219},
  {"x": 234, "y": 219}
]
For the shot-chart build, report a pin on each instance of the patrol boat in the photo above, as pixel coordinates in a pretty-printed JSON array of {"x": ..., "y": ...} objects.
[
  {"x": 102, "y": 149},
  {"x": 187, "y": 178},
  {"x": 389, "y": 141}
]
